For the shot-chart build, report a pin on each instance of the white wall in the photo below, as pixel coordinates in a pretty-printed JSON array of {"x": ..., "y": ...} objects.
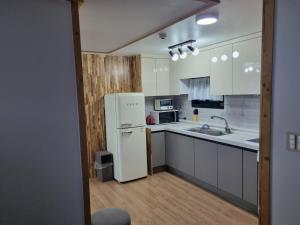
[
  {"x": 40, "y": 167},
  {"x": 286, "y": 114}
]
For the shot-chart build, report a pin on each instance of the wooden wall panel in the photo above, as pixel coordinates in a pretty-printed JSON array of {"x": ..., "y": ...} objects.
[{"x": 104, "y": 74}]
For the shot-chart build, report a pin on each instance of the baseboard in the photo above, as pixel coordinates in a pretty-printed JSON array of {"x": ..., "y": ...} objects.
[{"x": 222, "y": 194}]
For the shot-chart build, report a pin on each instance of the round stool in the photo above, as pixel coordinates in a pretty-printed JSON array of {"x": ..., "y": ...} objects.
[{"x": 111, "y": 216}]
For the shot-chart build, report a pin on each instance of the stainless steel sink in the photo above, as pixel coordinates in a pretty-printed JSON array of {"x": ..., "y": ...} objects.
[{"x": 207, "y": 131}]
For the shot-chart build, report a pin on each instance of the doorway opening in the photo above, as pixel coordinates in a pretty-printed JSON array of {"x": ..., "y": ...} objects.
[{"x": 159, "y": 190}]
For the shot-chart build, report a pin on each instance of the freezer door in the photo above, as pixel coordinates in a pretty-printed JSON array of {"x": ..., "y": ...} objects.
[
  {"x": 130, "y": 110},
  {"x": 133, "y": 156}
]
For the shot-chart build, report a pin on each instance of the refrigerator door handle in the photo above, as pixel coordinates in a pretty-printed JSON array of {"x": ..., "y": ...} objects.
[
  {"x": 126, "y": 124},
  {"x": 126, "y": 132}
]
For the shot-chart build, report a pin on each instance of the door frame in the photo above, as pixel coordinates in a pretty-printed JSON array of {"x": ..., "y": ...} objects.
[
  {"x": 81, "y": 110},
  {"x": 266, "y": 112},
  {"x": 265, "y": 115}
]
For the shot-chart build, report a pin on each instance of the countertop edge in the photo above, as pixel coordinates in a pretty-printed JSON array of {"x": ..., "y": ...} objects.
[{"x": 239, "y": 144}]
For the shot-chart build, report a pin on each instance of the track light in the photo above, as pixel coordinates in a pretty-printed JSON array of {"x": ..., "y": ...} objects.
[
  {"x": 195, "y": 51},
  {"x": 182, "y": 54}
]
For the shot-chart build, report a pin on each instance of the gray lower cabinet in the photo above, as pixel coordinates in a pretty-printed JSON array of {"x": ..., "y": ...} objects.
[
  {"x": 230, "y": 170},
  {"x": 206, "y": 162},
  {"x": 180, "y": 153},
  {"x": 250, "y": 185},
  {"x": 158, "y": 148}
]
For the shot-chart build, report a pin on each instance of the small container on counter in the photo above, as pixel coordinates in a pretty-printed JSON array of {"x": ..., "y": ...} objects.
[{"x": 196, "y": 115}]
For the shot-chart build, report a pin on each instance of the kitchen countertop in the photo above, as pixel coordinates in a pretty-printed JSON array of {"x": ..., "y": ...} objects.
[{"x": 238, "y": 138}]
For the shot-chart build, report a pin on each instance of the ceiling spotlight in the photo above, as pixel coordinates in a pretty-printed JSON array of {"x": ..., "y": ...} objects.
[
  {"x": 195, "y": 51},
  {"x": 250, "y": 68},
  {"x": 207, "y": 18},
  {"x": 182, "y": 54},
  {"x": 175, "y": 57},
  {"x": 171, "y": 53}
]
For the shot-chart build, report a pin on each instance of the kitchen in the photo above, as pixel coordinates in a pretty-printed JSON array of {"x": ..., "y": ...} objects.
[
  {"x": 61, "y": 59},
  {"x": 202, "y": 106}
]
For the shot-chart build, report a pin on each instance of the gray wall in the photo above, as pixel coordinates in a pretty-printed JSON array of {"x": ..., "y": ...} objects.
[
  {"x": 286, "y": 114},
  {"x": 40, "y": 167}
]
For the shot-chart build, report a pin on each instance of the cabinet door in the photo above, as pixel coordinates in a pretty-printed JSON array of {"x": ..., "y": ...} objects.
[
  {"x": 158, "y": 149},
  {"x": 174, "y": 81},
  {"x": 221, "y": 71},
  {"x": 162, "y": 77},
  {"x": 192, "y": 66},
  {"x": 149, "y": 76},
  {"x": 171, "y": 150},
  {"x": 180, "y": 153},
  {"x": 247, "y": 67},
  {"x": 250, "y": 185},
  {"x": 206, "y": 162},
  {"x": 230, "y": 170},
  {"x": 198, "y": 66}
]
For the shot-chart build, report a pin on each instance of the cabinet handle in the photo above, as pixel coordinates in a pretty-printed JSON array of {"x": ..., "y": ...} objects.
[{"x": 126, "y": 132}]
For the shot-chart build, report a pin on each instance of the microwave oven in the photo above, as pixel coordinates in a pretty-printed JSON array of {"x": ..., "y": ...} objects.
[
  {"x": 167, "y": 116},
  {"x": 163, "y": 104}
]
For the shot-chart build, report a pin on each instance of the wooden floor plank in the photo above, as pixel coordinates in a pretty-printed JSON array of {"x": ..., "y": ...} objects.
[{"x": 164, "y": 199}]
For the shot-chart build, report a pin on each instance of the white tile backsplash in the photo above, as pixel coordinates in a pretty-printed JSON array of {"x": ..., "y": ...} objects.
[
  {"x": 240, "y": 111},
  {"x": 149, "y": 105}
]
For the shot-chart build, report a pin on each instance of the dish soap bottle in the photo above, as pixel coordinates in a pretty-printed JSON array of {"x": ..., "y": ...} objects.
[{"x": 195, "y": 115}]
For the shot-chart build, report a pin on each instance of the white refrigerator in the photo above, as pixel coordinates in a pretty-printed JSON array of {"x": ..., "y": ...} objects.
[{"x": 126, "y": 134}]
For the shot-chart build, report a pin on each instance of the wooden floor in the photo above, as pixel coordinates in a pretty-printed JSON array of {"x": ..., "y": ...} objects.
[{"x": 164, "y": 199}]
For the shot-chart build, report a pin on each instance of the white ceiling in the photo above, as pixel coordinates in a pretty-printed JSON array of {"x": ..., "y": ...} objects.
[
  {"x": 107, "y": 25},
  {"x": 236, "y": 18}
]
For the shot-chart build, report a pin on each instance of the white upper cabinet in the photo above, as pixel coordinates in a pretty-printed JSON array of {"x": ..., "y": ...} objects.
[
  {"x": 149, "y": 76},
  {"x": 221, "y": 70},
  {"x": 192, "y": 66},
  {"x": 247, "y": 67},
  {"x": 163, "y": 77},
  {"x": 155, "y": 76},
  {"x": 234, "y": 68}
]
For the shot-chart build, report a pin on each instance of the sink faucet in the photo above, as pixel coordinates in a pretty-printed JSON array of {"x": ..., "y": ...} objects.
[{"x": 227, "y": 129}]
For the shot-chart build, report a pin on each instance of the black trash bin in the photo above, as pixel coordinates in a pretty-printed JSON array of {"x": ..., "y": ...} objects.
[{"x": 104, "y": 165}]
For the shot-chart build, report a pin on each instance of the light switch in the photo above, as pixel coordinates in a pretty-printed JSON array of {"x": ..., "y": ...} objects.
[
  {"x": 298, "y": 143},
  {"x": 292, "y": 141}
]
